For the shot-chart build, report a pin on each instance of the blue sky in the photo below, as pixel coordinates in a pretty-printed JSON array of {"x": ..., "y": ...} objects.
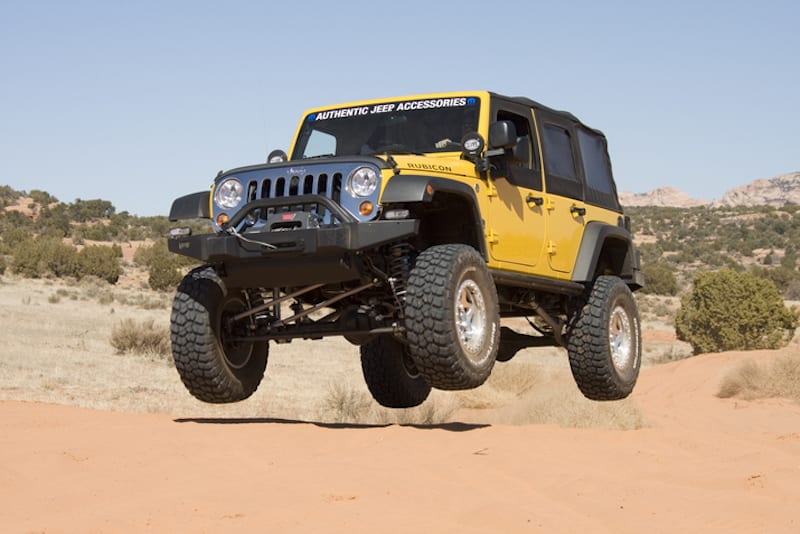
[{"x": 141, "y": 102}]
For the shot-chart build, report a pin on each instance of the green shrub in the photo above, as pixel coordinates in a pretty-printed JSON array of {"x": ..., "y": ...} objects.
[
  {"x": 163, "y": 266},
  {"x": 43, "y": 198},
  {"x": 53, "y": 222},
  {"x": 164, "y": 274},
  {"x": 727, "y": 310},
  {"x": 793, "y": 291},
  {"x": 35, "y": 258},
  {"x": 25, "y": 260},
  {"x": 8, "y": 195},
  {"x": 100, "y": 261},
  {"x": 12, "y": 236},
  {"x": 2, "y": 265},
  {"x": 85, "y": 210},
  {"x": 659, "y": 279},
  {"x": 781, "y": 276}
]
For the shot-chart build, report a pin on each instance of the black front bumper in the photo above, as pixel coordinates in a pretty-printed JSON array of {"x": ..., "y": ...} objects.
[
  {"x": 295, "y": 257},
  {"x": 277, "y": 255},
  {"x": 284, "y": 245}
]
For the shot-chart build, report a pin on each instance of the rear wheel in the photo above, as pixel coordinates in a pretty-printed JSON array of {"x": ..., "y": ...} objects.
[
  {"x": 452, "y": 317},
  {"x": 390, "y": 374},
  {"x": 604, "y": 341},
  {"x": 214, "y": 367}
]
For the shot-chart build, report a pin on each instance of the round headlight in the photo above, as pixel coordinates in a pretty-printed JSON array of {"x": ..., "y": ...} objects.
[
  {"x": 229, "y": 193},
  {"x": 362, "y": 182}
]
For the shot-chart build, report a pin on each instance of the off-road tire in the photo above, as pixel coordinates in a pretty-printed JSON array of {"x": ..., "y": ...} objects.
[
  {"x": 212, "y": 369},
  {"x": 452, "y": 318},
  {"x": 391, "y": 376},
  {"x": 604, "y": 341}
]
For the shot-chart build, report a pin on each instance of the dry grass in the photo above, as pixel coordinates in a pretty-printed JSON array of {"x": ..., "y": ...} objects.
[
  {"x": 551, "y": 397},
  {"x": 63, "y": 353},
  {"x": 778, "y": 379},
  {"x": 658, "y": 353},
  {"x": 344, "y": 404},
  {"x": 507, "y": 383},
  {"x": 566, "y": 407},
  {"x": 140, "y": 337},
  {"x": 354, "y": 405}
]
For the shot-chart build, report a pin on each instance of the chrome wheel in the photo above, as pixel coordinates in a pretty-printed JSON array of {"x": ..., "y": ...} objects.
[
  {"x": 620, "y": 338},
  {"x": 470, "y": 318}
]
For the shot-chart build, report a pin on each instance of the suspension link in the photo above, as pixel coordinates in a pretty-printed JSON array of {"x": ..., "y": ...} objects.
[{"x": 275, "y": 302}]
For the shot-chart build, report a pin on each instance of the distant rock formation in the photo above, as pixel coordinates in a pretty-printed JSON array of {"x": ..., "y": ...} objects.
[
  {"x": 778, "y": 191},
  {"x": 662, "y": 196}
]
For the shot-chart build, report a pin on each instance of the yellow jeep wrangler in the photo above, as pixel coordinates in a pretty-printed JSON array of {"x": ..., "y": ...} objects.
[{"x": 411, "y": 226}]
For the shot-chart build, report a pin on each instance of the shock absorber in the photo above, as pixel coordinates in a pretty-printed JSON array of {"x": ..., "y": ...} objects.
[{"x": 399, "y": 268}]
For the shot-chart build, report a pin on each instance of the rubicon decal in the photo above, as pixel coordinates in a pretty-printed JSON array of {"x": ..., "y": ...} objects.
[{"x": 430, "y": 167}]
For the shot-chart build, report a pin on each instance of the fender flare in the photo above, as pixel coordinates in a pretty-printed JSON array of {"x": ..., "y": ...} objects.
[
  {"x": 414, "y": 188},
  {"x": 194, "y": 206},
  {"x": 595, "y": 236}
]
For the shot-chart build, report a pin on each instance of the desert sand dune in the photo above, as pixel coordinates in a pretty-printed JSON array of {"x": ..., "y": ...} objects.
[{"x": 700, "y": 464}]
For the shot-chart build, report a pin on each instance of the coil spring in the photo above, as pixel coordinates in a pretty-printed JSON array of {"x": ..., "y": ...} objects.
[{"x": 400, "y": 266}]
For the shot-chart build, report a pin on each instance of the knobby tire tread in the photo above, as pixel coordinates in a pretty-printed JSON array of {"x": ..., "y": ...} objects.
[
  {"x": 195, "y": 348},
  {"x": 433, "y": 342},
  {"x": 588, "y": 344},
  {"x": 386, "y": 377}
]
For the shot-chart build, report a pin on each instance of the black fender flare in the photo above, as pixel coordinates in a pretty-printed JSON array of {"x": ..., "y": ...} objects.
[
  {"x": 194, "y": 206},
  {"x": 414, "y": 188},
  {"x": 595, "y": 236}
]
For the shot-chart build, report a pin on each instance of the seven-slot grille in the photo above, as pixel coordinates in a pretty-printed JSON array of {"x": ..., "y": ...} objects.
[{"x": 325, "y": 184}]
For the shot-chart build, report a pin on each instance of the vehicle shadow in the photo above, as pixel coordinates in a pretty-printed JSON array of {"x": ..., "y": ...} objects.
[{"x": 449, "y": 427}]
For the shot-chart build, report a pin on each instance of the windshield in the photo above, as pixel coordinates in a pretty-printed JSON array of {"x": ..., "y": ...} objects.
[{"x": 411, "y": 126}]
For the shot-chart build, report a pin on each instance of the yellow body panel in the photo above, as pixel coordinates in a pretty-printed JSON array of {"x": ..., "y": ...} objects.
[{"x": 521, "y": 235}]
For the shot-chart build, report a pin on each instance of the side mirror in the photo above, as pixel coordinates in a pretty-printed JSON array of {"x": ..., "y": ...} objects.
[
  {"x": 277, "y": 156},
  {"x": 502, "y": 134}
]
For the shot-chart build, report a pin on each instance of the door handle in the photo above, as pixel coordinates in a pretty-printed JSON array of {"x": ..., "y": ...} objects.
[
  {"x": 576, "y": 210},
  {"x": 530, "y": 199}
]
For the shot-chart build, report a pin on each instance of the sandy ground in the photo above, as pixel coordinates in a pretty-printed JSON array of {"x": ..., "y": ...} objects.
[{"x": 697, "y": 464}]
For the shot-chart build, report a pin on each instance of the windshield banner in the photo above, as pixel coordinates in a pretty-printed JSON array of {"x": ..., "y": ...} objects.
[{"x": 410, "y": 105}]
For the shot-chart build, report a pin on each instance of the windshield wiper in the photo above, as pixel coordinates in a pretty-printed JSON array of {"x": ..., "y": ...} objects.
[
  {"x": 396, "y": 148},
  {"x": 390, "y": 160}
]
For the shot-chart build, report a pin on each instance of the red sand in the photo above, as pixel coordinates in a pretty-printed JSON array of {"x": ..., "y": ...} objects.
[{"x": 704, "y": 464}]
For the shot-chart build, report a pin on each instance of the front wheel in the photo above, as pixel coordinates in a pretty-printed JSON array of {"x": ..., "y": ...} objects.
[
  {"x": 452, "y": 317},
  {"x": 604, "y": 341},
  {"x": 213, "y": 366}
]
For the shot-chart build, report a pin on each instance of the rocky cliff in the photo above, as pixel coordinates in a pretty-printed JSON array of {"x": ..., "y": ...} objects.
[
  {"x": 662, "y": 196},
  {"x": 778, "y": 191}
]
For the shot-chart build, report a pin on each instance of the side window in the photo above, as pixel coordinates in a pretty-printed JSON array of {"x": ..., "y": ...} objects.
[
  {"x": 559, "y": 162},
  {"x": 558, "y": 148},
  {"x": 597, "y": 168},
  {"x": 320, "y": 143},
  {"x": 521, "y": 163}
]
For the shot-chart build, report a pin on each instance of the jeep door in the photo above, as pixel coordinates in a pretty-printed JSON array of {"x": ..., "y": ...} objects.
[
  {"x": 564, "y": 199},
  {"x": 516, "y": 221}
]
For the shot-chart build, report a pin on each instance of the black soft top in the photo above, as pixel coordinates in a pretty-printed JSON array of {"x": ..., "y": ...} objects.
[{"x": 525, "y": 101}]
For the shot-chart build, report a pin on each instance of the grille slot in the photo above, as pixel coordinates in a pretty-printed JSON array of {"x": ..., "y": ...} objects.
[{"x": 328, "y": 185}]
